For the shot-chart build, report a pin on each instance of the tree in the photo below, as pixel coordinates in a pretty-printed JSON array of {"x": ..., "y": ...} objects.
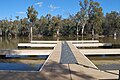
[
  {"x": 96, "y": 18},
  {"x": 68, "y": 27},
  {"x": 23, "y": 28},
  {"x": 83, "y": 14},
  {"x": 90, "y": 11},
  {"x": 56, "y": 22},
  {"x": 32, "y": 16},
  {"x": 17, "y": 17},
  {"x": 112, "y": 23},
  {"x": 17, "y": 23}
]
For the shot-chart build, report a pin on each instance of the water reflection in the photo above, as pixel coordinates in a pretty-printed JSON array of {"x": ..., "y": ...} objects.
[
  {"x": 107, "y": 62},
  {"x": 8, "y": 43},
  {"x": 11, "y": 43},
  {"x": 21, "y": 62},
  {"x": 19, "y": 66}
]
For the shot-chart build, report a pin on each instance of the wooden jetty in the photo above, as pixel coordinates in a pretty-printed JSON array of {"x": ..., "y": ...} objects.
[
  {"x": 25, "y": 52},
  {"x": 53, "y": 69},
  {"x": 45, "y": 42},
  {"x": 93, "y": 45},
  {"x": 84, "y": 41},
  {"x": 35, "y": 45},
  {"x": 100, "y": 51}
]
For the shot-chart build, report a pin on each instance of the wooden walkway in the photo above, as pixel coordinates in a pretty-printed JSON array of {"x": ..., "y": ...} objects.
[
  {"x": 52, "y": 69},
  {"x": 83, "y": 70},
  {"x": 87, "y": 69},
  {"x": 100, "y": 51},
  {"x": 93, "y": 45},
  {"x": 36, "y": 45}
]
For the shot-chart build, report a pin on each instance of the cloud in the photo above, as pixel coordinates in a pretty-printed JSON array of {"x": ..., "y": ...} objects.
[
  {"x": 21, "y": 12},
  {"x": 39, "y": 4},
  {"x": 53, "y": 7}
]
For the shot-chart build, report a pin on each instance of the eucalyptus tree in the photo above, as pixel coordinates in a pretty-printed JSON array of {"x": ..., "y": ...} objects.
[
  {"x": 49, "y": 25},
  {"x": 16, "y": 23},
  {"x": 112, "y": 23},
  {"x": 68, "y": 27},
  {"x": 23, "y": 28},
  {"x": 32, "y": 16},
  {"x": 83, "y": 14},
  {"x": 57, "y": 23},
  {"x": 4, "y": 27},
  {"x": 89, "y": 11},
  {"x": 17, "y": 17},
  {"x": 96, "y": 18},
  {"x": 43, "y": 28}
]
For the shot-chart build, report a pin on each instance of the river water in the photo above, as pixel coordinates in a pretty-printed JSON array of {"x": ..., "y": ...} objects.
[
  {"x": 102, "y": 63},
  {"x": 11, "y": 43}
]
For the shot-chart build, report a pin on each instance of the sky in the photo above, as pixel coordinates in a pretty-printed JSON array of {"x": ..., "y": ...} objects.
[{"x": 11, "y": 8}]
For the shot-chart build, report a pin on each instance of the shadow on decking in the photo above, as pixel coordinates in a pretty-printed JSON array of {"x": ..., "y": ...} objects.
[
  {"x": 97, "y": 69},
  {"x": 51, "y": 71},
  {"x": 56, "y": 71}
]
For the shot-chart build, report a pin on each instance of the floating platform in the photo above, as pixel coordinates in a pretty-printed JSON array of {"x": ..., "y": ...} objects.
[
  {"x": 25, "y": 52},
  {"x": 35, "y": 45},
  {"x": 84, "y": 41},
  {"x": 45, "y": 42},
  {"x": 53, "y": 69},
  {"x": 93, "y": 45},
  {"x": 100, "y": 51}
]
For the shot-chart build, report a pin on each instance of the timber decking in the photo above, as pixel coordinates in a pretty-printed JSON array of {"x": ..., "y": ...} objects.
[
  {"x": 35, "y": 45},
  {"x": 45, "y": 42},
  {"x": 53, "y": 70},
  {"x": 84, "y": 41},
  {"x": 86, "y": 69},
  {"x": 25, "y": 52},
  {"x": 83, "y": 70},
  {"x": 100, "y": 51},
  {"x": 93, "y": 45}
]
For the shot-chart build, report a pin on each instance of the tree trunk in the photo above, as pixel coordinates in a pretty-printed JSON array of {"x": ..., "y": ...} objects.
[{"x": 83, "y": 26}]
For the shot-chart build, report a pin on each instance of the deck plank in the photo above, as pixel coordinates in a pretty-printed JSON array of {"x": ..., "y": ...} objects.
[
  {"x": 53, "y": 70},
  {"x": 85, "y": 69}
]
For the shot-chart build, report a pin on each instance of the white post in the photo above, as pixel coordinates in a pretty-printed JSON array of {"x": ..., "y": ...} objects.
[
  {"x": 77, "y": 32},
  {"x": 115, "y": 35},
  {"x": 82, "y": 33},
  {"x": 31, "y": 33},
  {"x": 58, "y": 34},
  {"x": 83, "y": 30},
  {"x": 119, "y": 75},
  {"x": 93, "y": 34}
]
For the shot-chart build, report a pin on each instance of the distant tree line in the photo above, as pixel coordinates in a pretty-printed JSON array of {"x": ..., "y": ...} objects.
[{"x": 89, "y": 20}]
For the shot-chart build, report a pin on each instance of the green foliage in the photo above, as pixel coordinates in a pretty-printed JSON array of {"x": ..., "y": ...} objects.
[
  {"x": 112, "y": 23},
  {"x": 31, "y": 14},
  {"x": 90, "y": 17}
]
